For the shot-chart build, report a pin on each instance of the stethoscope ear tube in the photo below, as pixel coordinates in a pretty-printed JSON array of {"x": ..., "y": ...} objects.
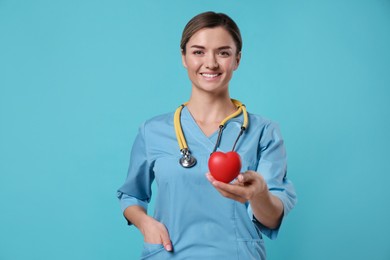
[
  {"x": 221, "y": 127},
  {"x": 238, "y": 137}
]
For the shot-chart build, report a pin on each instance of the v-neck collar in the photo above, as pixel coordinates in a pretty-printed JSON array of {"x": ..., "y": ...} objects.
[{"x": 190, "y": 126}]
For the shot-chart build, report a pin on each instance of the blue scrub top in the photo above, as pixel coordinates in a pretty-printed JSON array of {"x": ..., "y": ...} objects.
[{"x": 203, "y": 224}]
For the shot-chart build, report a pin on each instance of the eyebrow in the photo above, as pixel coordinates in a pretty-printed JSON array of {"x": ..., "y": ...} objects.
[{"x": 202, "y": 47}]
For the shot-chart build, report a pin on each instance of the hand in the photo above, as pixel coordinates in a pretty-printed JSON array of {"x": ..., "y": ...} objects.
[
  {"x": 247, "y": 186},
  {"x": 155, "y": 232}
]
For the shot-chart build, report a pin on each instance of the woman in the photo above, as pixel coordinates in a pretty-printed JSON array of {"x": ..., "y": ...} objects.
[{"x": 196, "y": 216}]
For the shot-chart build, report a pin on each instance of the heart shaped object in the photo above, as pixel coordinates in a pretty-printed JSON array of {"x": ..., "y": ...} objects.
[{"x": 225, "y": 167}]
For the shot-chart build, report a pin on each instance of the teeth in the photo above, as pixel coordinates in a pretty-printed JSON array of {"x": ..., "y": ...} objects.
[{"x": 210, "y": 75}]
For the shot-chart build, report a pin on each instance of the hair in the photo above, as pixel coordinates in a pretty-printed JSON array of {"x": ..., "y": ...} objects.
[{"x": 211, "y": 20}]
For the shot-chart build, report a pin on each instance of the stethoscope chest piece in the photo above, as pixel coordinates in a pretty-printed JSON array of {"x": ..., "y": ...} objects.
[{"x": 187, "y": 161}]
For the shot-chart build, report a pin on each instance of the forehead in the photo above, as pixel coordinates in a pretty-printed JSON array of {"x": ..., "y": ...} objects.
[{"x": 212, "y": 38}]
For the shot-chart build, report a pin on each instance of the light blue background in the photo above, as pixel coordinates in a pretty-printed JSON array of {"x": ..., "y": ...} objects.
[{"x": 78, "y": 77}]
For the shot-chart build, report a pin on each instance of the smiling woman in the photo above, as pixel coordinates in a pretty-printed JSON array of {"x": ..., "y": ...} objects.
[
  {"x": 210, "y": 58},
  {"x": 196, "y": 216}
]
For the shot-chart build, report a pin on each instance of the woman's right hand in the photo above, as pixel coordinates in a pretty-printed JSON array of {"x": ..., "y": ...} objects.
[{"x": 155, "y": 232}]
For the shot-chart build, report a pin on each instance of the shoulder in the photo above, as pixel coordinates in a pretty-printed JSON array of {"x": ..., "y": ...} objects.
[
  {"x": 158, "y": 119},
  {"x": 267, "y": 130},
  {"x": 158, "y": 122},
  {"x": 260, "y": 122}
]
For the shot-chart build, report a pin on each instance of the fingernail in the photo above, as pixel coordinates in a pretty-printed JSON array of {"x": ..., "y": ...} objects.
[{"x": 168, "y": 247}]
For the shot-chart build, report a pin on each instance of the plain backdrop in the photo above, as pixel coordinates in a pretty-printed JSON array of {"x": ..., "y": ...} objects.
[{"x": 77, "y": 78}]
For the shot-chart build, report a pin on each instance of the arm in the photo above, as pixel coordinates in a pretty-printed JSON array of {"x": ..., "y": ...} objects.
[
  {"x": 250, "y": 186},
  {"x": 153, "y": 231},
  {"x": 270, "y": 194},
  {"x": 267, "y": 208},
  {"x": 135, "y": 194}
]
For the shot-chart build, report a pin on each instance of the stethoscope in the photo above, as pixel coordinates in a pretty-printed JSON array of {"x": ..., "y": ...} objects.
[{"x": 187, "y": 160}]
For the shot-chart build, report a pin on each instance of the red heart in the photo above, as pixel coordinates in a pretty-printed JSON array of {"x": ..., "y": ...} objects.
[{"x": 225, "y": 167}]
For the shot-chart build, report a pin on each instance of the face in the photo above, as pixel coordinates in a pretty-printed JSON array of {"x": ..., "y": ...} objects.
[{"x": 210, "y": 59}]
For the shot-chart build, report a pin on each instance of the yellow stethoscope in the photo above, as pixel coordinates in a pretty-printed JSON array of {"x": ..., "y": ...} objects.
[{"x": 187, "y": 160}]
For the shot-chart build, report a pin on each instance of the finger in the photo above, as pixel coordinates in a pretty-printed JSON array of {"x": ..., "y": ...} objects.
[
  {"x": 214, "y": 181},
  {"x": 233, "y": 189},
  {"x": 240, "y": 179},
  {"x": 224, "y": 190},
  {"x": 210, "y": 177},
  {"x": 245, "y": 177},
  {"x": 166, "y": 241},
  {"x": 231, "y": 196},
  {"x": 239, "y": 191}
]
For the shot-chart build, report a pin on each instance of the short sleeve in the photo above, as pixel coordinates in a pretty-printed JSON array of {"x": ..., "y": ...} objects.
[
  {"x": 273, "y": 167},
  {"x": 136, "y": 189}
]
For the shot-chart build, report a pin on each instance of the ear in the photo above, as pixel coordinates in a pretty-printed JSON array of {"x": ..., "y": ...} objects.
[
  {"x": 183, "y": 59},
  {"x": 238, "y": 59}
]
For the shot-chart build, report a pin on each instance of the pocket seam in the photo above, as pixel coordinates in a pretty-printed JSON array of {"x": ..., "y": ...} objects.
[{"x": 147, "y": 246}]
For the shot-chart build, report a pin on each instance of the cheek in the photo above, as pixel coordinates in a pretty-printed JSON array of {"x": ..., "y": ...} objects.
[
  {"x": 193, "y": 64},
  {"x": 230, "y": 66}
]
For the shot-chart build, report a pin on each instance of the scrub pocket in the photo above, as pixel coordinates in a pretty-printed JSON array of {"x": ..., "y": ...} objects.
[
  {"x": 150, "y": 250},
  {"x": 252, "y": 249}
]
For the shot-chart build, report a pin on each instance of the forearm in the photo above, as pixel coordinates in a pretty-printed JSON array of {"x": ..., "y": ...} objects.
[
  {"x": 267, "y": 209},
  {"x": 251, "y": 186},
  {"x": 153, "y": 231},
  {"x": 136, "y": 215}
]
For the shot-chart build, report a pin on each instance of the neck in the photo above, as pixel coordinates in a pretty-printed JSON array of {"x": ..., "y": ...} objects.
[{"x": 207, "y": 109}]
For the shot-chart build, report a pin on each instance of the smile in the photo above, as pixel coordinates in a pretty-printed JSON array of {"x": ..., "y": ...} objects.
[{"x": 209, "y": 75}]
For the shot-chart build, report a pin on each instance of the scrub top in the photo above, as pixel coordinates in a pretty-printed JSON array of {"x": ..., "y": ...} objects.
[{"x": 202, "y": 224}]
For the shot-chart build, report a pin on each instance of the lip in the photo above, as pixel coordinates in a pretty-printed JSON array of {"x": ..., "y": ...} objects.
[{"x": 210, "y": 75}]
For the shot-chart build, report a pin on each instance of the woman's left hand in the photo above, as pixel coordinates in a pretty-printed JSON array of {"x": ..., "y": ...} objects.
[
  {"x": 251, "y": 186},
  {"x": 247, "y": 186}
]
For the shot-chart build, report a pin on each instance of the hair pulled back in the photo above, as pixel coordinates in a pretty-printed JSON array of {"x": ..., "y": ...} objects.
[{"x": 211, "y": 20}]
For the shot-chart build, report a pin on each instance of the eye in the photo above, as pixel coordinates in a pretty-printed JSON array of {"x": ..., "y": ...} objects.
[
  {"x": 197, "y": 52},
  {"x": 224, "y": 53}
]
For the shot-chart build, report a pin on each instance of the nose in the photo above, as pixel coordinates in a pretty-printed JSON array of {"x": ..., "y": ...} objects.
[{"x": 211, "y": 62}]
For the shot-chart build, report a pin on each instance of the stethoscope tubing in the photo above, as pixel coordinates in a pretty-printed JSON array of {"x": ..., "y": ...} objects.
[{"x": 187, "y": 159}]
